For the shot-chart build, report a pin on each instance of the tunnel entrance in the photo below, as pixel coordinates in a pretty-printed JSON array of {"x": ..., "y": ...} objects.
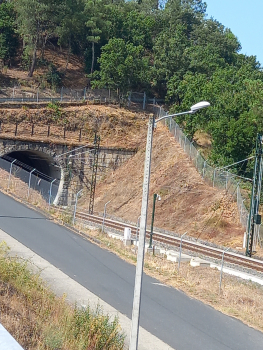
[
  {"x": 37, "y": 169},
  {"x": 40, "y": 161}
]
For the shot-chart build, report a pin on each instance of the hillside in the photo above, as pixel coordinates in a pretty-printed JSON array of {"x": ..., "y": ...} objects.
[{"x": 187, "y": 202}]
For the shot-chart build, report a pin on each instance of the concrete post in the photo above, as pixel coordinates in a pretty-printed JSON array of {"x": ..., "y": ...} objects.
[
  {"x": 10, "y": 173},
  {"x": 29, "y": 182},
  {"x": 140, "y": 255},
  {"x": 180, "y": 250},
  {"x": 221, "y": 272},
  {"x": 104, "y": 215},
  {"x": 75, "y": 207},
  {"x": 50, "y": 193}
]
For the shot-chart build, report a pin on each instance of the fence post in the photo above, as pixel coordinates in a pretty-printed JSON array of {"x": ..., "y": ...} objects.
[
  {"x": 29, "y": 182},
  {"x": 50, "y": 192},
  {"x": 214, "y": 176},
  {"x": 64, "y": 135},
  {"x": 32, "y": 129},
  {"x": 10, "y": 173},
  {"x": 48, "y": 130},
  {"x": 84, "y": 94},
  {"x": 196, "y": 161},
  {"x": 75, "y": 207},
  {"x": 144, "y": 101},
  {"x": 16, "y": 128},
  {"x": 222, "y": 265},
  {"x": 204, "y": 169},
  {"x": 180, "y": 250},
  {"x": 61, "y": 94},
  {"x": 104, "y": 216},
  {"x": 80, "y": 134}
]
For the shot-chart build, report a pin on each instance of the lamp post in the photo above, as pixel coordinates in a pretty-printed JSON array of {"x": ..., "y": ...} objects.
[
  {"x": 155, "y": 196},
  {"x": 145, "y": 195}
]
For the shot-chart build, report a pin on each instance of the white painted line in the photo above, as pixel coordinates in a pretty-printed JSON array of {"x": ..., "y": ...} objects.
[{"x": 7, "y": 342}]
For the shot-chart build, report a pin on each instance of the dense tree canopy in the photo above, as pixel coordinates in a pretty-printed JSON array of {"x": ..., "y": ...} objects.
[{"x": 170, "y": 49}]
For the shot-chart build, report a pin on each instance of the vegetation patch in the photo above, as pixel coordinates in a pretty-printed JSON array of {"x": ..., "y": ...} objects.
[{"x": 38, "y": 319}]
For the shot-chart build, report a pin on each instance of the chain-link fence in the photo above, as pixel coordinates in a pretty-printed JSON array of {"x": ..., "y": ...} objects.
[
  {"x": 26, "y": 182},
  {"x": 22, "y": 94},
  {"x": 213, "y": 176},
  {"x": 25, "y": 94}
]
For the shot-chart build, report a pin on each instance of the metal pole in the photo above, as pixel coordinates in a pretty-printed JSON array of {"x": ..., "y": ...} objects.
[
  {"x": 137, "y": 228},
  {"x": 214, "y": 176},
  {"x": 221, "y": 273},
  {"x": 151, "y": 234},
  {"x": 29, "y": 182},
  {"x": 10, "y": 172},
  {"x": 144, "y": 101},
  {"x": 104, "y": 215},
  {"x": 140, "y": 255},
  {"x": 50, "y": 190},
  {"x": 61, "y": 94},
  {"x": 75, "y": 207},
  {"x": 180, "y": 250}
]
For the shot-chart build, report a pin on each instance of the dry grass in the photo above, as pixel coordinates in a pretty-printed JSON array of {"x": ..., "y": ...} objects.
[
  {"x": 38, "y": 319},
  {"x": 238, "y": 298},
  {"x": 117, "y": 127}
]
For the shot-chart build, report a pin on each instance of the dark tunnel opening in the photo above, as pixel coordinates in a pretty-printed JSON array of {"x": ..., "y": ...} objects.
[
  {"x": 37, "y": 169},
  {"x": 37, "y": 160}
]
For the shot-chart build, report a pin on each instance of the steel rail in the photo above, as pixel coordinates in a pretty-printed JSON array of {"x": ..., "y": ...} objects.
[{"x": 174, "y": 241}]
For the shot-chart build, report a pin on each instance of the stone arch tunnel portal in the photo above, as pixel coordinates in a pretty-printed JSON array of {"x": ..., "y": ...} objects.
[
  {"x": 41, "y": 161},
  {"x": 46, "y": 171}
]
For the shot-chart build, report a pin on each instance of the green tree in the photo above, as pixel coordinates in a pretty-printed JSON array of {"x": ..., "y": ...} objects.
[
  {"x": 122, "y": 66},
  {"x": 71, "y": 29},
  {"x": 8, "y": 36},
  {"x": 37, "y": 21}
]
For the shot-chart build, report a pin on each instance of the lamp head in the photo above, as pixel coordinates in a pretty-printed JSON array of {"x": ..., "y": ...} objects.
[{"x": 199, "y": 105}]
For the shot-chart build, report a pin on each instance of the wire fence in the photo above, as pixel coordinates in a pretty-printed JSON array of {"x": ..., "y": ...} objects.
[
  {"x": 22, "y": 94},
  {"x": 221, "y": 179},
  {"x": 26, "y": 182}
]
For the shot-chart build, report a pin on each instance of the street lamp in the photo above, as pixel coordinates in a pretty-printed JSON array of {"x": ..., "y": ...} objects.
[{"x": 145, "y": 195}]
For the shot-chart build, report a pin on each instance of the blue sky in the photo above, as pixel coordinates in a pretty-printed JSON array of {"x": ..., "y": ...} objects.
[{"x": 245, "y": 19}]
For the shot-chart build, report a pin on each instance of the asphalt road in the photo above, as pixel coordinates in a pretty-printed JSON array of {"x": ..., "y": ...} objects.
[{"x": 181, "y": 322}]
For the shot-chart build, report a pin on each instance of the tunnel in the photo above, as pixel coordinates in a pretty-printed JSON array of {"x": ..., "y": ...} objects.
[
  {"x": 37, "y": 160},
  {"x": 44, "y": 171}
]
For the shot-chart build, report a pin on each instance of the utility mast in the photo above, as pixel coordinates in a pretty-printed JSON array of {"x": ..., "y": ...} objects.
[
  {"x": 94, "y": 172},
  {"x": 254, "y": 217}
]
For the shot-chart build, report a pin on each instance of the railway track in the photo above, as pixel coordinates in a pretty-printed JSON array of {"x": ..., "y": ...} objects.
[{"x": 215, "y": 253}]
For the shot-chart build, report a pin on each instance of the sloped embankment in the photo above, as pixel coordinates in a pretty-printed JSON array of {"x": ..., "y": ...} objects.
[{"x": 187, "y": 202}]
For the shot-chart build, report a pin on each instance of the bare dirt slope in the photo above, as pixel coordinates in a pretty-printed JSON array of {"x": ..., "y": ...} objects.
[{"x": 187, "y": 202}]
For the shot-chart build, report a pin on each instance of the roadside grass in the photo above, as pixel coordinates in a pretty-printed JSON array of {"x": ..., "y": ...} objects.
[
  {"x": 237, "y": 298},
  {"x": 38, "y": 319}
]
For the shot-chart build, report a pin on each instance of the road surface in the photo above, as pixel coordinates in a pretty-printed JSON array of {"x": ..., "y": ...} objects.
[{"x": 176, "y": 319}]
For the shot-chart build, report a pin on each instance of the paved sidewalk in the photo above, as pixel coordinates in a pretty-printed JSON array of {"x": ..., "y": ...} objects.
[{"x": 61, "y": 284}]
